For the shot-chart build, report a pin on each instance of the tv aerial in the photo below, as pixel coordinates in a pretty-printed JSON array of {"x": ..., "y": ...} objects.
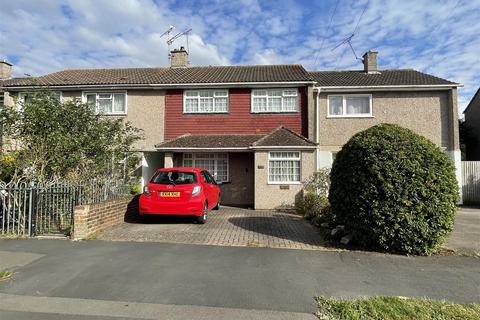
[
  {"x": 178, "y": 35},
  {"x": 348, "y": 40}
]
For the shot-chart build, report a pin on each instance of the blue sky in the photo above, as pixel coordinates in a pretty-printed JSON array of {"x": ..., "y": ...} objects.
[{"x": 437, "y": 37}]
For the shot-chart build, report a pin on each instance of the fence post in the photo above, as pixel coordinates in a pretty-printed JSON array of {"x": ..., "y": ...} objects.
[{"x": 30, "y": 209}]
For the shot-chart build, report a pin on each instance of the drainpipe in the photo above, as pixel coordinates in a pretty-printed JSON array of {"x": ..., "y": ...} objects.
[{"x": 317, "y": 127}]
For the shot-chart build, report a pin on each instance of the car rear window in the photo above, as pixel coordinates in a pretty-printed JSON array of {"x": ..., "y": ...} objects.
[{"x": 174, "y": 177}]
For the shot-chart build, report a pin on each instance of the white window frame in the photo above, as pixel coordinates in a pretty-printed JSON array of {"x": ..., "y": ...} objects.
[
  {"x": 198, "y": 96},
  {"x": 195, "y": 156},
  {"x": 2, "y": 98},
  {"x": 113, "y": 113},
  {"x": 21, "y": 98},
  {"x": 344, "y": 106},
  {"x": 299, "y": 159},
  {"x": 284, "y": 95}
]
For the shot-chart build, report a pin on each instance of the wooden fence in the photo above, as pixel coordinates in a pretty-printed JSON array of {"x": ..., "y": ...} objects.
[{"x": 471, "y": 182}]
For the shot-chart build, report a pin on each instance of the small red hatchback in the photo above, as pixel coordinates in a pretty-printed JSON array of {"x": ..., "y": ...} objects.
[{"x": 180, "y": 191}]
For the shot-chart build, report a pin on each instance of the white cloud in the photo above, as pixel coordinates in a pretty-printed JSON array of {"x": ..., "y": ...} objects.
[{"x": 441, "y": 38}]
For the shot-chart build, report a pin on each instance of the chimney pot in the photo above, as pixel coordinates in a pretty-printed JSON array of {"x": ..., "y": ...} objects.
[
  {"x": 5, "y": 70},
  {"x": 179, "y": 58},
  {"x": 370, "y": 62}
]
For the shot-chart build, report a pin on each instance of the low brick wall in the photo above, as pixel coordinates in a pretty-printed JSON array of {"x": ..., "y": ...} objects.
[{"x": 92, "y": 218}]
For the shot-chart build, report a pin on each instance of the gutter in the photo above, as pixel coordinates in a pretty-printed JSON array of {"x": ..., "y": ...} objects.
[
  {"x": 180, "y": 149},
  {"x": 167, "y": 85},
  {"x": 391, "y": 88}
]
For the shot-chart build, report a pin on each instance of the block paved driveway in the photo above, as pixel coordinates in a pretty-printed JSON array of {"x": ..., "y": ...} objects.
[{"x": 226, "y": 227}]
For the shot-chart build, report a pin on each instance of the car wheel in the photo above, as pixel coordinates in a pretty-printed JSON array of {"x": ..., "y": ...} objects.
[
  {"x": 217, "y": 206},
  {"x": 203, "y": 218}
]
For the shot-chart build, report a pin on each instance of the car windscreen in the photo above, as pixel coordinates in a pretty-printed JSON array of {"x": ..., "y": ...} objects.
[{"x": 174, "y": 177}]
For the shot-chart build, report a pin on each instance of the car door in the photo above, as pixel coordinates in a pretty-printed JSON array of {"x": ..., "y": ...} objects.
[
  {"x": 208, "y": 189},
  {"x": 215, "y": 189}
]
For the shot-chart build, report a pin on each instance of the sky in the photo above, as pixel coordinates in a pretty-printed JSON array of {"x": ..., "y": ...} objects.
[{"x": 440, "y": 37}]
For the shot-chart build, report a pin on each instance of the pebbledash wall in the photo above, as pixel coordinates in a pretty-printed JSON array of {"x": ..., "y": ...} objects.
[
  {"x": 93, "y": 218},
  {"x": 145, "y": 111},
  {"x": 238, "y": 120},
  {"x": 432, "y": 114},
  {"x": 279, "y": 196}
]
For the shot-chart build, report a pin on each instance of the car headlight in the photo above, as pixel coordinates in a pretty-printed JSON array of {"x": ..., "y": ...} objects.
[{"x": 196, "y": 191}]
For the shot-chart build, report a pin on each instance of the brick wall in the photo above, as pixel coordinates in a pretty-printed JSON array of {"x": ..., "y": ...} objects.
[{"x": 90, "y": 219}]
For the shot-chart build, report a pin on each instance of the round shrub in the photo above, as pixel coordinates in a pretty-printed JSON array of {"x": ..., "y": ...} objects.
[{"x": 394, "y": 190}]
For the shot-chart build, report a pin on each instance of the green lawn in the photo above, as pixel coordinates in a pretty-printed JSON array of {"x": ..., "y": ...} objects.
[{"x": 393, "y": 308}]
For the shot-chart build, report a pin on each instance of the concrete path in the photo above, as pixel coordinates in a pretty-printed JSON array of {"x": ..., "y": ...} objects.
[
  {"x": 131, "y": 280},
  {"x": 225, "y": 227},
  {"x": 466, "y": 234}
]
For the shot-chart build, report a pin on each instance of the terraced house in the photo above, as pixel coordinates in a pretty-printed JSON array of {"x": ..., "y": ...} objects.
[{"x": 261, "y": 130}]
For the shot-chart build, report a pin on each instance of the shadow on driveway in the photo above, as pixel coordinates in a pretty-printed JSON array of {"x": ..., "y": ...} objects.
[{"x": 284, "y": 226}]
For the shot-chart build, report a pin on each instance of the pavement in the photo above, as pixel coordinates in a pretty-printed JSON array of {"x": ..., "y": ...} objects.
[
  {"x": 466, "y": 234},
  {"x": 228, "y": 226},
  {"x": 55, "y": 279}
]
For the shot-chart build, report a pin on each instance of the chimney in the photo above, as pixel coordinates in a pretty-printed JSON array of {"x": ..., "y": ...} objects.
[
  {"x": 5, "y": 70},
  {"x": 179, "y": 58},
  {"x": 370, "y": 62}
]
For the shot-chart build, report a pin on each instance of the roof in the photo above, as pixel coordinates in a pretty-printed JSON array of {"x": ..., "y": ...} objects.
[
  {"x": 283, "y": 136},
  {"x": 159, "y": 76},
  {"x": 397, "y": 77},
  {"x": 279, "y": 137},
  {"x": 474, "y": 99}
]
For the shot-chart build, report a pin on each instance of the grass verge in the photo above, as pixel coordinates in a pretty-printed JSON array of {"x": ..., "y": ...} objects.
[
  {"x": 394, "y": 308},
  {"x": 5, "y": 274}
]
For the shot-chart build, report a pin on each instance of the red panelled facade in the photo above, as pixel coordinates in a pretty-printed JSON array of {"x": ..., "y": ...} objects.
[{"x": 239, "y": 119}]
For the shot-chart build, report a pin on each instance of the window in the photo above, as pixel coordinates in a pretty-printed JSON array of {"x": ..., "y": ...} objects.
[
  {"x": 108, "y": 103},
  {"x": 174, "y": 177},
  {"x": 205, "y": 101},
  {"x": 284, "y": 167},
  {"x": 2, "y": 99},
  {"x": 350, "y": 106},
  {"x": 215, "y": 163},
  {"x": 28, "y": 97},
  {"x": 275, "y": 100}
]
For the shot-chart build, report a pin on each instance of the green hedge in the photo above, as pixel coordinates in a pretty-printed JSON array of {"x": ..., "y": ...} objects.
[{"x": 394, "y": 190}]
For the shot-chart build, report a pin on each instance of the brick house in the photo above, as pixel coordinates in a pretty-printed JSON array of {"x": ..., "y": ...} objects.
[{"x": 261, "y": 130}]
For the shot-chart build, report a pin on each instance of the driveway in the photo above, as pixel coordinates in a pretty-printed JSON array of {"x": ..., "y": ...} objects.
[{"x": 226, "y": 227}]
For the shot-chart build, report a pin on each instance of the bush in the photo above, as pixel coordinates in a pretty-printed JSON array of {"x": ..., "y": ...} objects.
[
  {"x": 394, "y": 190},
  {"x": 135, "y": 188},
  {"x": 310, "y": 205}
]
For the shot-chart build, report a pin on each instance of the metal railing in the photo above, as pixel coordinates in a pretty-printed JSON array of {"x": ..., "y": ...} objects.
[{"x": 28, "y": 208}]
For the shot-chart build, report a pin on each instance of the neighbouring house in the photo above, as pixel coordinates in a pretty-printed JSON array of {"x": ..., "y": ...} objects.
[
  {"x": 472, "y": 127},
  {"x": 261, "y": 130}
]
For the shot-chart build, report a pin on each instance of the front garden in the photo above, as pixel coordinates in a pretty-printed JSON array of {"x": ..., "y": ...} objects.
[{"x": 389, "y": 190}]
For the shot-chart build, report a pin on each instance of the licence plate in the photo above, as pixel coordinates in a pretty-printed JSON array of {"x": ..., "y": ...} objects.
[{"x": 170, "y": 194}]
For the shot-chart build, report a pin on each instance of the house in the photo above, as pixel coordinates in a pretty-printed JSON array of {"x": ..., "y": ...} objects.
[
  {"x": 472, "y": 125},
  {"x": 261, "y": 130}
]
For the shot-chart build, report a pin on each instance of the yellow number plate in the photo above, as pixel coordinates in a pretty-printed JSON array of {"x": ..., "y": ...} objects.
[{"x": 170, "y": 194}]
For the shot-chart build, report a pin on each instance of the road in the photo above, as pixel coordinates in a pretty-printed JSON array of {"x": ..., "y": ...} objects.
[{"x": 55, "y": 279}]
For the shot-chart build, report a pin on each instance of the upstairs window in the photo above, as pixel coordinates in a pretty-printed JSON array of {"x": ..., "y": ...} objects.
[
  {"x": 350, "y": 105},
  {"x": 108, "y": 103},
  {"x": 275, "y": 100},
  {"x": 205, "y": 101},
  {"x": 2, "y": 99}
]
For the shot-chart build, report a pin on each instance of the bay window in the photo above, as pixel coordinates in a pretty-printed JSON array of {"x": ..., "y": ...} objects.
[
  {"x": 205, "y": 101},
  {"x": 350, "y": 105},
  {"x": 108, "y": 103},
  {"x": 274, "y": 100},
  {"x": 284, "y": 167},
  {"x": 215, "y": 163}
]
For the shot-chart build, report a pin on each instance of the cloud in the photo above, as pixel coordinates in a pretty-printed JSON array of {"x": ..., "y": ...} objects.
[{"x": 442, "y": 39}]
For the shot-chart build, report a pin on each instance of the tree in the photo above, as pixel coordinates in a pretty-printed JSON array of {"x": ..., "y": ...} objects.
[{"x": 49, "y": 139}]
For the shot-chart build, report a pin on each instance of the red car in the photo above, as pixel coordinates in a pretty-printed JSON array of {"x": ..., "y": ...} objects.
[{"x": 180, "y": 191}]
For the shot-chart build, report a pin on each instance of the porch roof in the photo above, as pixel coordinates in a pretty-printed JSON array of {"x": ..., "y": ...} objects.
[{"x": 280, "y": 137}]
